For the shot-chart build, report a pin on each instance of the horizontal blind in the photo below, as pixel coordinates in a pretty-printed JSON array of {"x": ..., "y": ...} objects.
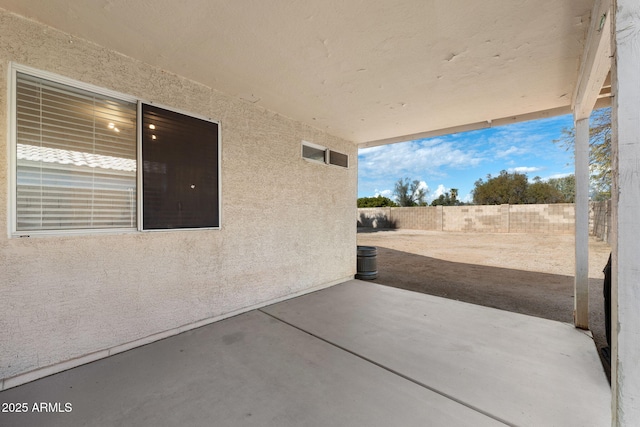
[{"x": 76, "y": 158}]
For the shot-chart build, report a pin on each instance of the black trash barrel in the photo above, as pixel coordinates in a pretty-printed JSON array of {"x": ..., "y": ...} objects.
[
  {"x": 367, "y": 263},
  {"x": 606, "y": 290}
]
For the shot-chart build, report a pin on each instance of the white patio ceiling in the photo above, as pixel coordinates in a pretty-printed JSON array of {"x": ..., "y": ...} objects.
[{"x": 371, "y": 71}]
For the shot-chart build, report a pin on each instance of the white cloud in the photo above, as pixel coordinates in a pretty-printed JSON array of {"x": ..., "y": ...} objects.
[
  {"x": 468, "y": 198},
  {"x": 515, "y": 140},
  {"x": 511, "y": 151},
  {"x": 557, "y": 176},
  {"x": 524, "y": 169},
  {"x": 440, "y": 191},
  {"x": 413, "y": 159},
  {"x": 384, "y": 193}
]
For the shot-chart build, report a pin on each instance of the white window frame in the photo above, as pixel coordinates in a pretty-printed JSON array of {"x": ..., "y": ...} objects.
[
  {"x": 13, "y": 70},
  {"x": 317, "y": 147}
]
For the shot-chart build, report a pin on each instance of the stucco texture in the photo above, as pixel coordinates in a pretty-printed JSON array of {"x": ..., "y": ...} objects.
[{"x": 287, "y": 224}]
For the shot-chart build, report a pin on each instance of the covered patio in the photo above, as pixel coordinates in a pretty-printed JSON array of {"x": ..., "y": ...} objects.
[
  {"x": 356, "y": 354},
  {"x": 278, "y": 79}
]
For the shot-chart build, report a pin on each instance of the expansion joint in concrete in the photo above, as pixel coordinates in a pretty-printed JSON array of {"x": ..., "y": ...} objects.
[{"x": 392, "y": 371}]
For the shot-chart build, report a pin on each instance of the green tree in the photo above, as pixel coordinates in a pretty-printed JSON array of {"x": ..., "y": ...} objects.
[
  {"x": 409, "y": 193},
  {"x": 447, "y": 199},
  {"x": 514, "y": 188},
  {"x": 566, "y": 186},
  {"x": 542, "y": 192},
  {"x": 507, "y": 187},
  {"x": 599, "y": 151},
  {"x": 375, "y": 202}
]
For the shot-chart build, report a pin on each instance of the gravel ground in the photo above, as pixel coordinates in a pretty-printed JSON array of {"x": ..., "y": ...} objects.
[{"x": 524, "y": 273}]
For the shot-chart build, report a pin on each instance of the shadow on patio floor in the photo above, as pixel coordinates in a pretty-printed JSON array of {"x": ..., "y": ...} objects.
[{"x": 549, "y": 296}]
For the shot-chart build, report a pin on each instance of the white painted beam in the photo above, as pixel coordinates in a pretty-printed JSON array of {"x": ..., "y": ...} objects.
[
  {"x": 596, "y": 61},
  {"x": 581, "y": 280},
  {"x": 470, "y": 126},
  {"x": 426, "y": 134},
  {"x": 625, "y": 321},
  {"x": 600, "y": 103}
]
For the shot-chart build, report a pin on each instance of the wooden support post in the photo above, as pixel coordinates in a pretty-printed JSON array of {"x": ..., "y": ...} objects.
[
  {"x": 596, "y": 63},
  {"x": 625, "y": 238},
  {"x": 581, "y": 281}
]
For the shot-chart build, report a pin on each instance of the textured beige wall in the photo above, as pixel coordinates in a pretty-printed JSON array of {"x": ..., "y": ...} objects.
[{"x": 287, "y": 224}]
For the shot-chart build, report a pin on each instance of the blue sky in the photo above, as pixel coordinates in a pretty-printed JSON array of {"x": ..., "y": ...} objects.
[{"x": 459, "y": 160}]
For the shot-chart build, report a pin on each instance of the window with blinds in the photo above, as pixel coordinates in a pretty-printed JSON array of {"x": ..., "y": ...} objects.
[
  {"x": 75, "y": 158},
  {"x": 75, "y": 153}
]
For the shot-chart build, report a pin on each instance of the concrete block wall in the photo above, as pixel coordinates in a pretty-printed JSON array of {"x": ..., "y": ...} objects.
[
  {"x": 480, "y": 218},
  {"x": 554, "y": 218},
  {"x": 424, "y": 218},
  {"x": 375, "y": 218},
  {"x": 545, "y": 218}
]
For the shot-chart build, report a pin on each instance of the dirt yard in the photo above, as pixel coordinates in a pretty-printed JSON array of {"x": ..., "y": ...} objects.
[{"x": 523, "y": 273}]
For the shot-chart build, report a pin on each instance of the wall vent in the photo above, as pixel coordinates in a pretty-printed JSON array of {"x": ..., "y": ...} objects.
[
  {"x": 320, "y": 154},
  {"x": 338, "y": 159}
]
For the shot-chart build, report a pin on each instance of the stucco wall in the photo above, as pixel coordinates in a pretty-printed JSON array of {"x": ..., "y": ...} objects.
[{"x": 287, "y": 224}]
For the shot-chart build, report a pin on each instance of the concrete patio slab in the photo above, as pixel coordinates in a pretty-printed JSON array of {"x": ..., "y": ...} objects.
[
  {"x": 250, "y": 370},
  {"x": 520, "y": 369},
  {"x": 356, "y": 354}
]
